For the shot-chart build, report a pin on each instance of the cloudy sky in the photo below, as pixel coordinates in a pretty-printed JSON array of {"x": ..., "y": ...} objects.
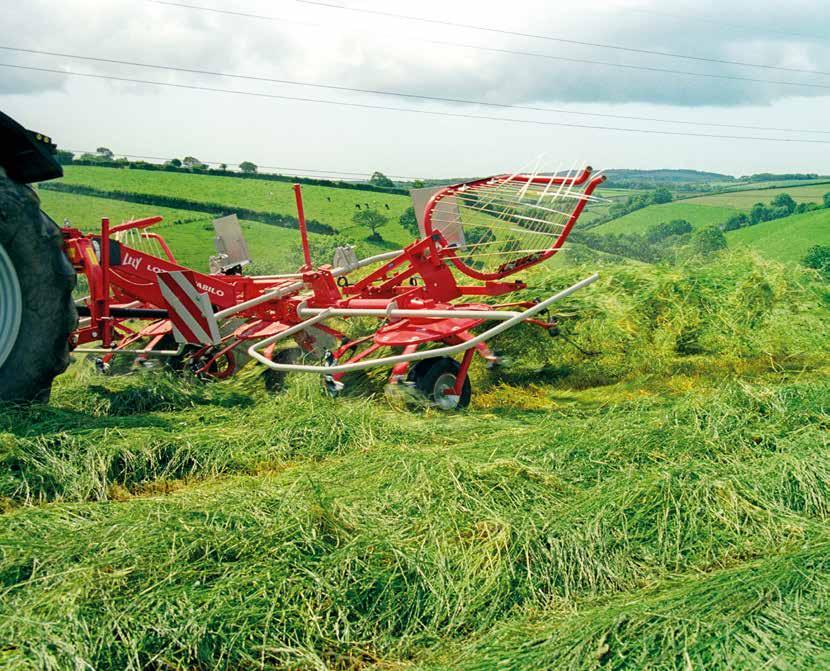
[{"x": 551, "y": 83}]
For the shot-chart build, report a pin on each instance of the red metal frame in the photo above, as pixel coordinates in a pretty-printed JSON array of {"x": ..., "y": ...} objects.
[
  {"x": 123, "y": 281},
  {"x": 532, "y": 259}
]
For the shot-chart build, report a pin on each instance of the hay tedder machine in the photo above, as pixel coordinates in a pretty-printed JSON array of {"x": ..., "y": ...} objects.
[{"x": 431, "y": 307}]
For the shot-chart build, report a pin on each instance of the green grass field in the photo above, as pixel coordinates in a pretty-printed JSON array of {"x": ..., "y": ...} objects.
[
  {"x": 332, "y": 206},
  {"x": 651, "y": 491},
  {"x": 785, "y": 239},
  {"x": 662, "y": 503},
  {"x": 744, "y": 200},
  {"x": 191, "y": 242},
  {"x": 698, "y": 215}
]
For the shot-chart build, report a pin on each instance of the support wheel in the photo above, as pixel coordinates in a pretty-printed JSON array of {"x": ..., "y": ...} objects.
[
  {"x": 435, "y": 377},
  {"x": 275, "y": 379}
]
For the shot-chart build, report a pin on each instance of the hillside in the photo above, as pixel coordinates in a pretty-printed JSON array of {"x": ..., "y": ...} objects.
[
  {"x": 745, "y": 199},
  {"x": 189, "y": 234},
  {"x": 660, "y": 502},
  {"x": 664, "y": 177},
  {"x": 785, "y": 239},
  {"x": 332, "y": 206},
  {"x": 698, "y": 215}
]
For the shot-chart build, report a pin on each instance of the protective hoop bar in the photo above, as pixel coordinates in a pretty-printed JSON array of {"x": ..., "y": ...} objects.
[
  {"x": 253, "y": 350},
  {"x": 505, "y": 213}
]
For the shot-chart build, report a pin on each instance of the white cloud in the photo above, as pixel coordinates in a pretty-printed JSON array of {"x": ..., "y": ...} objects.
[
  {"x": 371, "y": 52},
  {"x": 376, "y": 52}
]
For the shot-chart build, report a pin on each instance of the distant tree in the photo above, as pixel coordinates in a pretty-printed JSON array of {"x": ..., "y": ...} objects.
[
  {"x": 176, "y": 163},
  {"x": 379, "y": 179},
  {"x": 64, "y": 157},
  {"x": 104, "y": 153},
  {"x": 708, "y": 240},
  {"x": 827, "y": 199},
  {"x": 666, "y": 230},
  {"x": 247, "y": 166},
  {"x": 192, "y": 162},
  {"x": 409, "y": 221},
  {"x": 801, "y": 208},
  {"x": 736, "y": 221},
  {"x": 371, "y": 219},
  {"x": 661, "y": 195},
  {"x": 818, "y": 258},
  {"x": 759, "y": 213},
  {"x": 785, "y": 201},
  {"x": 419, "y": 184},
  {"x": 223, "y": 166}
]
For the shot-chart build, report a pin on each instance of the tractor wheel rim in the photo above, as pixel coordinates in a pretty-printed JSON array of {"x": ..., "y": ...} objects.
[
  {"x": 444, "y": 384},
  {"x": 11, "y": 306}
]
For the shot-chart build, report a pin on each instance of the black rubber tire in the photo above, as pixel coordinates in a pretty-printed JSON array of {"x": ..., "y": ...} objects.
[
  {"x": 34, "y": 245},
  {"x": 425, "y": 375},
  {"x": 275, "y": 379}
]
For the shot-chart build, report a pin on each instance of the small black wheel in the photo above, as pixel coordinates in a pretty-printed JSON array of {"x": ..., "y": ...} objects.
[
  {"x": 102, "y": 367},
  {"x": 176, "y": 363},
  {"x": 275, "y": 379},
  {"x": 433, "y": 377}
]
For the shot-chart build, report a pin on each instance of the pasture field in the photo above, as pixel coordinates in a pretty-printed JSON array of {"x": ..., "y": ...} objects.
[
  {"x": 785, "y": 239},
  {"x": 745, "y": 199},
  {"x": 639, "y": 221},
  {"x": 660, "y": 503},
  {"x": 771, "y": 183},
  {"x": 189, "y": 234},
  {"x": 332, "y": 206}
]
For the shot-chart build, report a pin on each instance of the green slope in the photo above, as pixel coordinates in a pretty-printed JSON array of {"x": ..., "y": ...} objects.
[
  {"x": 191, "y": 242},
  {"x": 744, "y": 200},
  {"x": 785, "y": 239},
  {"x": 638, "y": 222},
  {"x": 332, "y": 206}
]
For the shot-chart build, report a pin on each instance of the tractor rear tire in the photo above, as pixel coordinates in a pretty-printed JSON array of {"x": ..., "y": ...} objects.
[{"x": 38, "y": 313}]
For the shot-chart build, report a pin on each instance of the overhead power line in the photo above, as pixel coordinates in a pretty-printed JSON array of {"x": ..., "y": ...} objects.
[
  {"x": 535, "y": 54},
  {"x": 247, "y": 15},
  {"x": 562, "y": 40},
  {"x": 402, "y": 94},
  {"x": 409, "y": 110}
]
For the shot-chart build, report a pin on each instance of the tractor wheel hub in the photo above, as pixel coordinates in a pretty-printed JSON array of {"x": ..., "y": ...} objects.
[{"x": 11, "y": 305}]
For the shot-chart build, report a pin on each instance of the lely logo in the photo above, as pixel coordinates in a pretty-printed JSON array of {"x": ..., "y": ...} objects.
[
  {"x": 139, "y": 265},
  {"x": 132, "y": 261}
]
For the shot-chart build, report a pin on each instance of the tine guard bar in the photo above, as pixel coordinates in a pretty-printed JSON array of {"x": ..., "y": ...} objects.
[{"x": 254, "y": 352}]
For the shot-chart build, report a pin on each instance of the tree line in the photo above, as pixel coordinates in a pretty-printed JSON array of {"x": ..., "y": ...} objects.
[{"x": 104, "y": 158}]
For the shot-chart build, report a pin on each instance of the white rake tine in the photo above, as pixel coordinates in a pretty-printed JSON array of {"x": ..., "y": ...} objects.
[
  {"x": 539, "y": 207},
  {"x": 548, "y": 185},
  {"x": 525, "y": 231},
  {"x": 532, "y": 177},
  {"x": 511, "y": 251}
]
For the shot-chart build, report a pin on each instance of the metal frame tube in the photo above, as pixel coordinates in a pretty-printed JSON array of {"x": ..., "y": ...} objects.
[
  {"x": 135, "y": 352},
  {"x": 296, "y": 286},
  {"x": 487, "y": 315},
  {"x": 253, "y": 350}
]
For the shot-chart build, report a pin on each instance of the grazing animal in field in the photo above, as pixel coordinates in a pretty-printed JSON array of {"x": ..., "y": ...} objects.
[
  {"x": 328, "y": 198},
  {"x": 357, "y": 205},
  {"x": 386, "y": 205},
  {"x": 366, "y": 205}
]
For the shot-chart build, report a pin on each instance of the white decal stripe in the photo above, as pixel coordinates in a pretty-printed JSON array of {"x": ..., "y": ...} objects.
[
  {"x": 201, "y": 301},
  {"x": 183, "y": 313}
]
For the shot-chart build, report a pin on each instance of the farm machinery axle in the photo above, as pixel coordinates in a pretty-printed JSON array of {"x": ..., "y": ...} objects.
[{"x": 143, "y": 303}]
